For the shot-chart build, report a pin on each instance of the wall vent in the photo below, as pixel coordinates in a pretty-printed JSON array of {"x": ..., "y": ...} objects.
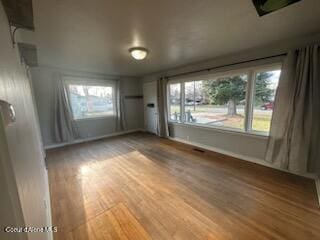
[{"x": 28, "y": 54}]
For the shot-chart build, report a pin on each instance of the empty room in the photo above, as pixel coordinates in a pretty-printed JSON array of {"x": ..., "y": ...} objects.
[{"x": 171, "y": 119}]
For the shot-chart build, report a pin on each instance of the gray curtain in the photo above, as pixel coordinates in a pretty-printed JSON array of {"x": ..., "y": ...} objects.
[
  {"x": 65, "y": 128},
  {"x": 294, "y": 142},
  {"x": 121, "y": 124},
  {"x": 163, "y": 129}
]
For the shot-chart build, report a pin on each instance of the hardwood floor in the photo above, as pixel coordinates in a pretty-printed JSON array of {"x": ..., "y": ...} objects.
[{"x": 140, "y": 187}]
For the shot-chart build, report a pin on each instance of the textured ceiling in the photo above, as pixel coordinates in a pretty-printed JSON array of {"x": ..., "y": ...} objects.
[{"x": 95, "y": 35}]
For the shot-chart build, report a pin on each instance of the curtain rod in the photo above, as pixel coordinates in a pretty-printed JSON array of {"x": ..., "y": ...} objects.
[{"x": 221, "y": 66}]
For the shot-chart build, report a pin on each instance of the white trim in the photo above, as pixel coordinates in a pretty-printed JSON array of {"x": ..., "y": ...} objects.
[
  {"x": 88, "y": 81},
  {"x": 318, "y": 188},
  {"x": 239, "y": 156},
  {"x": 91, "y": 139},
  {"x": 106, "y": 116}
]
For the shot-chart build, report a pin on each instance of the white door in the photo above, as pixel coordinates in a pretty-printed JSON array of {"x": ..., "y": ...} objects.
[{"x": 150, "y": 107}]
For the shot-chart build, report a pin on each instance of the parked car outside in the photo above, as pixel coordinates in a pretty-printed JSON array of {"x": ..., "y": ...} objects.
[{"x": 267, "y": 106}]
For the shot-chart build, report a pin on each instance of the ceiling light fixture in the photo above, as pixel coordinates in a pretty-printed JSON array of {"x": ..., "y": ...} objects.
[{"x": 138, "y": 53}]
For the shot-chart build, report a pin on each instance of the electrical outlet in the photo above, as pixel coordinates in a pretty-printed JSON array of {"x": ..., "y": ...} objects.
[{"x": 188, "y": 138}]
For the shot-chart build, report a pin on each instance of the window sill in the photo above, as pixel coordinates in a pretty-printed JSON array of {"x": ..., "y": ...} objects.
[
  {"x": 94, "y": 118},
  {"x": 255, "y": 134}
]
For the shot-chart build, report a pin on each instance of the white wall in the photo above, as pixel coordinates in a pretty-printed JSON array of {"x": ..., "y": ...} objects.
[
  {"x": 242, "y": 144},
  {"x": 10, "y": 207},
  {"x": 236, "y": 144},
  {"x": 22, "y": 140},
  {"x": 43, "y": 83}
]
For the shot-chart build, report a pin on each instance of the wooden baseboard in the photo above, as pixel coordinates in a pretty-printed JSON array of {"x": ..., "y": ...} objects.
[
  {"x": 318, "y": 189},
  {"x": 239, "y": 156},
  {"x": 52, "y": 146}
]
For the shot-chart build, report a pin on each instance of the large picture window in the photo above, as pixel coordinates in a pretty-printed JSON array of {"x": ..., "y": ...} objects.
[
  {"x": 241, "y": 101},
  {"x": 91, "y": 101},
  {"x": 217, "y": 102}
]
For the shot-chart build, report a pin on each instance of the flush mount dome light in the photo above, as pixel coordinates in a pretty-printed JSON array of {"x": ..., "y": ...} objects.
[{"x": 138, "y": 53}]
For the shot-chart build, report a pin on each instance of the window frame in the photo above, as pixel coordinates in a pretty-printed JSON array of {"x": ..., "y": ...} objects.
[
  {"x": 89, "y": 81},
  {"x": 251, "y": 72},
  {"x": 168, "y": 99}
]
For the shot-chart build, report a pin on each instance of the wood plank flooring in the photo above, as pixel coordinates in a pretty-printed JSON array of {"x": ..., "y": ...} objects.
[{"x": 139, "y": 187}]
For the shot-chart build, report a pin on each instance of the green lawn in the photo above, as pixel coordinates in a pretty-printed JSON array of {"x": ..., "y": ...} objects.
[{"x": 261, "y": 122}]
